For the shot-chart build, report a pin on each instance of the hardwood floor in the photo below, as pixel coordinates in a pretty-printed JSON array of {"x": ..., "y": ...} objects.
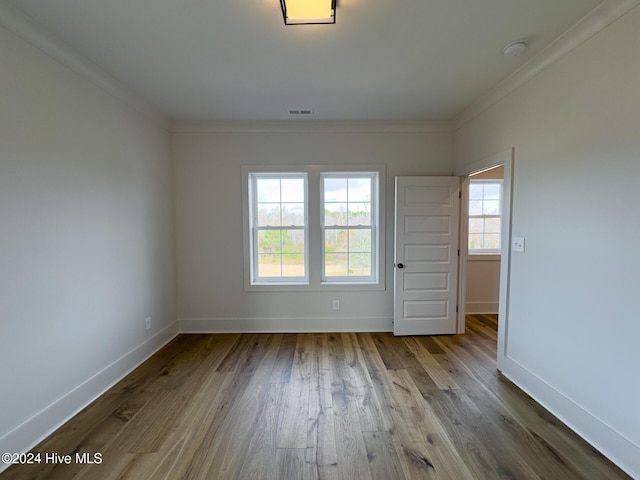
[{"x": 339, "y": 405}]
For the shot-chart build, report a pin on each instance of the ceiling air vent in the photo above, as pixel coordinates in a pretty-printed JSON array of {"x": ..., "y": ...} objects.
[{"x": 300, "y": 112}]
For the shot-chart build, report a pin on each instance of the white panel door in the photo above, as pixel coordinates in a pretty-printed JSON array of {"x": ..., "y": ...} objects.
[{"x": 426, "y": 255}]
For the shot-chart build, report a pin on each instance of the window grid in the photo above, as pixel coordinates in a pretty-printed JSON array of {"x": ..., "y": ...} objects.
[
  {"x": 359, "y": 215},
  {"x": 485, "y": 213},
  {"x": 280, "y": 264}
]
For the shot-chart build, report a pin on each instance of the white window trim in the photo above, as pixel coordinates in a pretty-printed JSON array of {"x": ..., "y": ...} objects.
[
  {"x": 255, "y": 229},
  {"x": 486, "y": 251},
  {"x": 375, "y": 200},
  {"x": 314, "y": 244}
]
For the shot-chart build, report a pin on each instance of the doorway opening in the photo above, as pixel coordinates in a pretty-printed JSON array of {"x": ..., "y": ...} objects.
[
  {"x": 483, "y": 219},
  {"x": 484, "y": 241}
]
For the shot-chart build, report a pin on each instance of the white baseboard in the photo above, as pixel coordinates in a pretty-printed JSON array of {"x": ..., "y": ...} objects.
[
  {"x": 286, "y": 325},
  {"x": 481, "y": 307},
  {"x": 41, "y": 425},
  {"x": 613, "y": 445}
]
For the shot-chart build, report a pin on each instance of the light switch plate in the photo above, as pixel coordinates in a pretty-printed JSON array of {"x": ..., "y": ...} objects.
[{"x": 517, "y": 244}]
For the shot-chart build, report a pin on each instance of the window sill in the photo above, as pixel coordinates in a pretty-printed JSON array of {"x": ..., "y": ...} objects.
[
  {"x": 483, "y": 257},
  {"x": 315, "y": 287}
]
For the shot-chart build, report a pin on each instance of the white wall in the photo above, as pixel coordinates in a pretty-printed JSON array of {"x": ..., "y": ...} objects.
[
  {"x": 208, "y": 164},
  {"x": 483, "y": 284},
  {"x": 572, "y": 333},
  {"x": 86, "y": 243}
]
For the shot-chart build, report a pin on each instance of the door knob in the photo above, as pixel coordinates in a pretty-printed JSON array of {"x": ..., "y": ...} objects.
[{"x": 400, "y": 265}]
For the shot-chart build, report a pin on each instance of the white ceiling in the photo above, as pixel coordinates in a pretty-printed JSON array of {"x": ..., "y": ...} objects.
[{"x": 235, "y": 60}]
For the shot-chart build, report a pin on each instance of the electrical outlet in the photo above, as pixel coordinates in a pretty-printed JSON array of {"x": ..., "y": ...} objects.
[
  {"x": 147, "y": 323},
  {"x": 517, "y": 244},
  {"x": 336, "y": 304}
]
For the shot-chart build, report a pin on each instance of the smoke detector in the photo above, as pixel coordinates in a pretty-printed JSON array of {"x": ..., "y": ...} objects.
[{"x": 514, "y": 48}]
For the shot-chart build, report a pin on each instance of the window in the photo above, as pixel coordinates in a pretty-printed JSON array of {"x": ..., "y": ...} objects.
[
  {"x": 348, "y": 226},
  {"x": 485, "y": 210},
  {"x": 279, "y": 227},
  {"x": 313, "y": 227}
]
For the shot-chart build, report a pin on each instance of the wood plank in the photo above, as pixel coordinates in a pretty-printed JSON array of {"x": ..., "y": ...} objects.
[
  {"x": 321, "y": 439},
  {"x": 187, "y": 449},
  {"x": 383, "y": 461},
  {"x": 409, "y": 444},
  {"x": 311, "y": 468},
  {"x": 352, "y": 455},
  {"x": 412, "y": 452},
  {"x": 321, "y": 406},
  {"x": 432, "y": 347},
  {"x": 366, "y": 401},
  {"x": 290, "y": 463},
  {"x": 468, "y": 428},
  {"x": 372, "y": 357},
  {"x": 294, "y": 413},
  {"x": 284, "y": 361},
  {"x": 243, "y": 421},
  {"x": 394, "y": 351},
  {"x": 262, "y": 448},
  {"x": 440, "y": 376},
  {"x": 442, "y": 455},
  {"x": 207, "y": 457}
]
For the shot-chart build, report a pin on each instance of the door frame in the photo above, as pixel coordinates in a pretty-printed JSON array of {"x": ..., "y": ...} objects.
[
  {"x": 464, "y": 252},
  {"x": 505, "y": 158}
]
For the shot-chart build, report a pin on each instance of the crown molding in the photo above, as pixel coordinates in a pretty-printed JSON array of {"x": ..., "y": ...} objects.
[
  {"x": 310, "y": 126},
  {"x": 28, "y": 30},
  {"x": 600, "y": 17}
]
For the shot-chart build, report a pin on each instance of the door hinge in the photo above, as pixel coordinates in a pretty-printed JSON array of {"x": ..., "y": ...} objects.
[
  {"x": 459, "y": 194},
  {"x": 456, "y": 309},
  {"x": 458, "y": 252}
]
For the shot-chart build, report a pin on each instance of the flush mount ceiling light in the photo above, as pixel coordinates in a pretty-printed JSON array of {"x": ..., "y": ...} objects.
[
  {"x": 515, "y": 48},
  {"x": 308, "y": 12}
]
